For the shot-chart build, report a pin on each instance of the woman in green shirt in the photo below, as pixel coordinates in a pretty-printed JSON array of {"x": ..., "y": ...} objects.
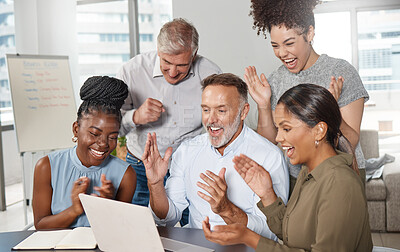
[{"x": 327, "y": 210}]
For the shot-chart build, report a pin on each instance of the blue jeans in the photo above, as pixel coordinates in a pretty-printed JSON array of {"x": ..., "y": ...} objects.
[{"x": 141, "y": 196}]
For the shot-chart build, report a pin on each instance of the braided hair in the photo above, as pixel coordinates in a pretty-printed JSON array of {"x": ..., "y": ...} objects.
[
  {"x": 102, "y": 93},
  {"x": 293, "y": 14},
  {"x": 312, "y": 104}
]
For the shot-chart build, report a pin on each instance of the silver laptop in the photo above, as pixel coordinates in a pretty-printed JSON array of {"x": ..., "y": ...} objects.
[{"x": 119, "y": 226}]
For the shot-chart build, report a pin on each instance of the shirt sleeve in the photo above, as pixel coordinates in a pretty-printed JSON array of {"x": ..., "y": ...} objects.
[
  {"x": 274, "y": 214},
  {"x": 353, "y": 88},
  {"x": 256, "y": 221},
  {"x": 127, "y": 108}
]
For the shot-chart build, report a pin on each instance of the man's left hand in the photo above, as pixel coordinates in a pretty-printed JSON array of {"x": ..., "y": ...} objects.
[{"x": 216, "y": 186}]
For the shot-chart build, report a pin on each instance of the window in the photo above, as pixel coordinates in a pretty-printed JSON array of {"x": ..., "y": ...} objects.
[
  {"x": 379, "y": 52},
  {"x": 104, "y": 40},
  {"x": 325, "y": 29},
  {"x": 370, "y": 40},
  {"x": 103, "y": 37},
  {"x": 146, "y": 37},
  {"x": 7, "y": 45},
  {"x": 152, "y": 15},
  {"x": 145, "y": 18}
]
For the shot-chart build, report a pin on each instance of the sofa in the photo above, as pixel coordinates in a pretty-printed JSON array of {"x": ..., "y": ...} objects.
[{"x": 383, "y": 194}]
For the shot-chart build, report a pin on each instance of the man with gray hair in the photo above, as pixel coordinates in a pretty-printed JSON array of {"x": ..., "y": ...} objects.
[
  {"x": 203, "y": 176},
  {"x": 164, "y": 95}
]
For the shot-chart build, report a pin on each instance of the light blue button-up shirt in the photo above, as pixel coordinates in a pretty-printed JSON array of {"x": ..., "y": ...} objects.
[{"x": 197, "y": 155}]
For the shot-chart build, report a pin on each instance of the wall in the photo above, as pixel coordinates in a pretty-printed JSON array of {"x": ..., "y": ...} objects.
[
  {"x": 43, "y": 27},
  {"x": 227, "y": 38},
  {"x": 48, "y": 27},
  {"x": 11, "y": 158}
]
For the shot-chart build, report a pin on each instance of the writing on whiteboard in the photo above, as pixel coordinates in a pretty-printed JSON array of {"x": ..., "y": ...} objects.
[{"x": 42, "y": 86}]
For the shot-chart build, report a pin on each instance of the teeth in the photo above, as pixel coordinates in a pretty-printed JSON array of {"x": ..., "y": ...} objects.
[
  {"x": 288, "y": 60},
  {"x": 98, "y": 152},
  {"x": 286, "y": 147},
  {"x": 213, "y": 128}
]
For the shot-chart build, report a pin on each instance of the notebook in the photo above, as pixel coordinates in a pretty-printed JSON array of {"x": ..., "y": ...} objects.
[
  {"x": 120, "y": 226},
  {"x": 77, "y": 238}
]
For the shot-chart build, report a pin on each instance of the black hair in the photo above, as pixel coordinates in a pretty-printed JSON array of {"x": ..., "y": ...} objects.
[
  {"x": 293, "y": 14},
  {"x": 102, "y": 94},
  {"x": 312, "y": 104}
]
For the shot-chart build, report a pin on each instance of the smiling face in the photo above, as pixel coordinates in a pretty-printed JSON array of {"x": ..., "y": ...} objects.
[
  {"x": 175, "y": 67},
  {"x": 97, "y": 134},
  {"x": 222, "y": 114},
  {"x": 296, "y": 137},
  {"x": 292, "y": 48}
]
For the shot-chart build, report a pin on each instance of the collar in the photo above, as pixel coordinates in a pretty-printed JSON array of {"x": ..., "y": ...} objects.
[
  {"x": 329, "y": 164},
  {"x": 158, "y": 73},
  {"x": 235, "y": 145}
]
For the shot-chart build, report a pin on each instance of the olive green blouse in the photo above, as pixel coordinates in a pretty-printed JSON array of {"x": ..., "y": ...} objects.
[{"x": 326, "y": 212}]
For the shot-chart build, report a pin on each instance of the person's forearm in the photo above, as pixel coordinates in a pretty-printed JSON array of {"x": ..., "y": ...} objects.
[
  {"x": 233, "y": 214},
  {"x": 158, "y": 200},
  {"x": 349, "y": 133},
  {"x": 268, "y": 198},
  {"x": 61, "y": 220},
  {"x": 251, "y": 239},
  {"x": 265, "y": 125}
]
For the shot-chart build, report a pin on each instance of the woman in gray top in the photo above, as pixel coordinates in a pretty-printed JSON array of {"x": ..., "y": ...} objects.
[{"x": 291, "y": 27}]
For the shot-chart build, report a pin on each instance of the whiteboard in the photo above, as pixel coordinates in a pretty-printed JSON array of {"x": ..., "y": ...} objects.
[{"x": 43, "y": 101}]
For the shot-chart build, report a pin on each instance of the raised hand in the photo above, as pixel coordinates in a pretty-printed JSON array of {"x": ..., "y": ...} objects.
[
  {"x": 107, "y": 189},
  {"x": 155, "y": 165},
  {"x": 259, "y": 89},
  {"x": 256, "y": 177},
  {"x": 148, "y": 112},
  {"x": 80, "y": 186},
  {"x": 335, "y": 86},
  {"x": 216, "y": 186}
]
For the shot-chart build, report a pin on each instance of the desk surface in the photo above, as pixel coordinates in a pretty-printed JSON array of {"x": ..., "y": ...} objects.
[{"x": 194, "y": 236}]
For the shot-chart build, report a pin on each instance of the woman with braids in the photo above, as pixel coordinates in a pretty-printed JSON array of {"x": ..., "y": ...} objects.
[
  {"x": 291, "y": 24},
  {"x": 88, "y": 167},
  {"x": 327, "y": 210}
]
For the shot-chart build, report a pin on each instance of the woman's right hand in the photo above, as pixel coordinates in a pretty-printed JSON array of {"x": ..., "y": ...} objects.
[
  {"x": 80, "y": 186},
  {"x": 230, "y": 234},
  {"x": 256, "y": 177},
  {"x": 259, "y": 88}
]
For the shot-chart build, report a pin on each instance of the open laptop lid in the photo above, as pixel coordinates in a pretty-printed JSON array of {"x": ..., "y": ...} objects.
[{"x": 119, "y": 226}]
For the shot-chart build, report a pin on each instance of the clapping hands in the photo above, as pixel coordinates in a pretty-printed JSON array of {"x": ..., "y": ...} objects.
[{"x": 155, "y": 165}]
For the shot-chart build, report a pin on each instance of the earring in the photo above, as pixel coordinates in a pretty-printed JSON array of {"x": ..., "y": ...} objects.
[
  {"x": 311, "y": 42},
  {"x": 74, "y": 139},
  {"x": 316, "y": 143}
]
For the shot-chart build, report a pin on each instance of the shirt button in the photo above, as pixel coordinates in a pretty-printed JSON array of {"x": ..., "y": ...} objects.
[
  {"x": 280, "y": 203},
  {"x": 174, "y": 123},
  {"x": 174, "y": 102}
]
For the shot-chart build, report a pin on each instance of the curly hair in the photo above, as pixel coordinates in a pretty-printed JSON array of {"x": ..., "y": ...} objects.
[
  {"x": 102, "y": 93},
  {"x": 293, "y": 14}
]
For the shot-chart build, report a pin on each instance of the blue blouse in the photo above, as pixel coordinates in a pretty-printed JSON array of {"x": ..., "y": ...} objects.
[{"x": 66, "y": 168}]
